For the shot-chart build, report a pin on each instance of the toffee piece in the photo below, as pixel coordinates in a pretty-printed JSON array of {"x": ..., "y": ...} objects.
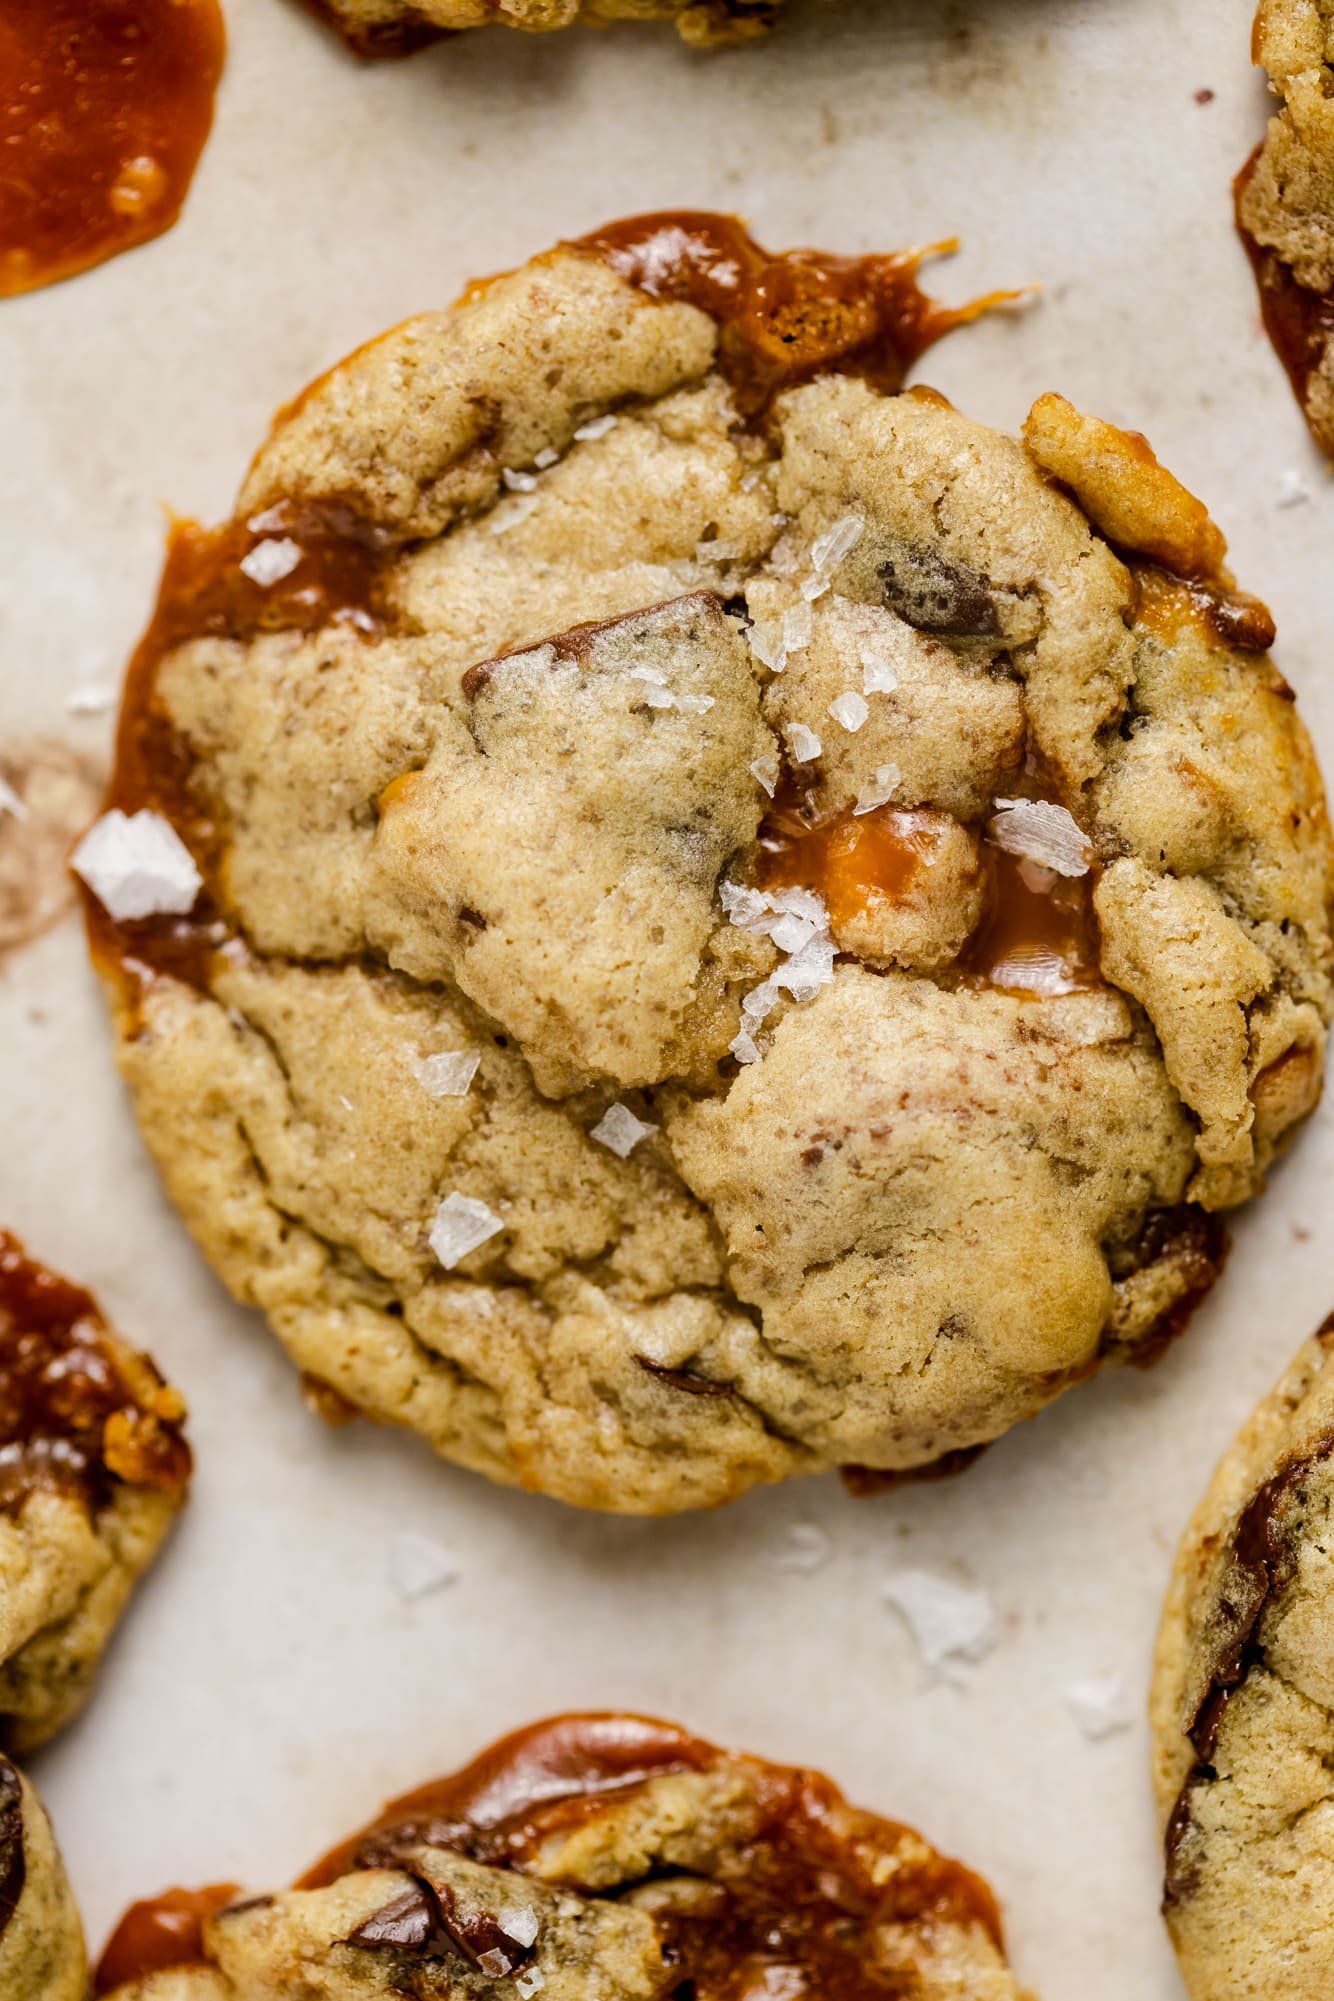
[
  {"x": 595, "y": 1856},
  {"x": 1243, "y": 1706},
  {"x": 93, "y": 1467},
  {"x": 742, "y": 923},
  {"x": 1285, "y": 202},
  {"x": 105, "y": 107}
]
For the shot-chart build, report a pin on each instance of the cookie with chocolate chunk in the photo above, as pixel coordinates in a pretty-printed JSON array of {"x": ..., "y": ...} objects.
[
  {"x": 93, "y": 1468},
  {"x": 1243, "y": 1706},
  {"x": 397, "y": 27},
  {"x": 677, "y": 915},
  {"x": 41, "y": 1938},
  {"x": 1285, "y": 201},
  {"x": 588, "y": 1858}
]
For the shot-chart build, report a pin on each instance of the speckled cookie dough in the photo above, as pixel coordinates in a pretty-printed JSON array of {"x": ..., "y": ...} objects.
[
  {"x": 93, "y": 1468},
  {"x": 677, "y": 916},
  {"x": 1285, "y": 201},
  {"x": 592, "y": 1858},
  {"x": 1243, "y": 1707},
  {"x": 397, "y": 27},
  {"x": 41, "y": 1938}
]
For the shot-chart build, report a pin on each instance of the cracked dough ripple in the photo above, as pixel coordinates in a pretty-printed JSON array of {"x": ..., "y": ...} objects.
[{"x": 471, "y": 777}]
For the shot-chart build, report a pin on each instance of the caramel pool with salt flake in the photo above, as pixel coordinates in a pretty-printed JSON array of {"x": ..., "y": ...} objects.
[{"x": 104, "y": 110}]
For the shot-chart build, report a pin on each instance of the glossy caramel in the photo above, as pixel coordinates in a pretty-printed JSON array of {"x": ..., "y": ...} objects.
[
  {"x": 1299, "y": 321},
  {"x": 68, "y": 1418},
  {"x": 105, "y": 106},
  {"x": 158, "y": 1934}
]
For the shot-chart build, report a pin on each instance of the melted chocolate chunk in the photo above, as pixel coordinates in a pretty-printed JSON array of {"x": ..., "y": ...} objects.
[
  {"x": 865, "y": 1482},
  {"x": 939, "y": 596},
  {"x": 429, "y": 1920},
  {"x": 13, "y": 1859},
  {"x": 684, "y": 1379},
  {"x": 68, "y": 1418},
  {"x": 1197, "y": 1243}
]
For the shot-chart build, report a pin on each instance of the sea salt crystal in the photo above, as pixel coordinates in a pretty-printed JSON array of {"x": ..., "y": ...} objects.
[
  {"x": 765, "y": 772},
  {"x": 1099, "y": 1706},
  {"x": 878, "y": 677},
  {"x": 850, "y": 709},
  {"x": 807, "y": 970},
  {"x": 461, "y": 1224},
  {"x": 11, "y": 803},
  {"x": 747, "y": 908},
  {"x": 884, "y": 783},
  {"x": 694, "y": 705},
  {"x": 546, "y": 458},
  {"x": 530, "y": 1981},
  {"x": 948, "y": 1621},
  {"x": 620, "y": 1131},
  {"x": 93, "y": 700},
  {"x": 448, "y": 1074},
  {"x": 716, "y": 552},
  {"x": 657, "y": 695},
  {"x": 804, "y": 744},
  {"x": 418, "y": 1566},
  {"x": 798, "y": 627},
  {"x": 495, "y": 1963},
  {"x": 814, "y": 586},
  {"x": 518, "y": 482},
  {"x": 521, "y": 1926},
  {"x": 744, "y": 1047},
  {"x": 837, "y": 542},
  {"x": 1293, "y": 489},
  {"x": 511, "y": 515},
  {"x": 596, "y": 427},
  {"x": 137, "y": 866},
  {"x": 804, "y": 1547},
  {"x": 767, "y": 646},
  {"x": 1042, "y": 832},
  {"x": 272, "y": 560}
]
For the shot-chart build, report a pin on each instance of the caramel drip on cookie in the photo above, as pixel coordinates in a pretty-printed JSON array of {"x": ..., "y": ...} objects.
[
  {"x": 69, "y": 1420},
  {"x": 104, "y": 112},
  {"x": 160, "y": 1933},
  {"x": 1298, "y": 320},
  {"x": 784, "y": 319}
]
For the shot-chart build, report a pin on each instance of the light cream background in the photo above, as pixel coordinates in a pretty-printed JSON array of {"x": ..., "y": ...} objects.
[{"x": 273, "y": 1685}]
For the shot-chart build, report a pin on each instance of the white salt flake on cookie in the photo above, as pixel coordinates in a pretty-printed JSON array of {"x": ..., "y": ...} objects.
[
  {"x": 1040, "y": 831},
  {"x": 767, "y": 646},
  {"x": 11, "y": 803},
  {"x": 596, "y": 427},
  {"x": 765, "y": 772},
  {"x": 798, "y": 627},
  {"x": 448, "y": 1074},
  {"x": 850, "y": 709},
  {"x": 948, "y": 1621},
  {"x": 620, "y": 1131},
  {"x": 884, "y": 783},
  {"x": 531, "y": 1981},
  {"x": 518, "y": 482},
  {"x": 271, "y": 560},
  {"x": 804, "y": 744},
  {"x": 137, "y": 866},
  {"x": 837, "y": 542},
  {"x": 1100, "y": 1706},
  {"x": 878, "y": 677},
  {"x": 462, "y": 1223}
]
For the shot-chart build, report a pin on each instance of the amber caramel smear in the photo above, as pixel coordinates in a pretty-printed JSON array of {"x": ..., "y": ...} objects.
[
  {"x": 159, "y": 1934},
  {"x": 105, "y": 106}
]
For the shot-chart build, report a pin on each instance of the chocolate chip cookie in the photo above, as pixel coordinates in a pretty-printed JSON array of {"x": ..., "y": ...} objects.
[
  {"x": 93, "y": 1468},
  {"x": 41, "y": 1938},
  {"x": 398, "y": 27},
  {"x": 1285, "y": 201},
  {"x": 678, "y": 915},
  {"x": 593, "y": 1858},
  {"x": 1243, "y": 1707}
]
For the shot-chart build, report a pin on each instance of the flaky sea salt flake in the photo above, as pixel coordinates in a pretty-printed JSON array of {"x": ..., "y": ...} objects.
[
  {"x": 513, "y": 513},
  {"x": 461, "y": 1224},
  {"x": 878, "y": 677},
  {"x": 765, "y": 773},
  {"x": 271, "y": 560},
  {"x": 1293, "y": 489},
  {"x": 767, "y": 646},
  {"x": 620, "y": 1131},
  {"x": 804, "y": 744},
  {"x": 883, "y": 784},
  {"x": 850, "y": 709},
  {"x": 448, "y": 1074},
  {"x": 1100, "y": 1706},
  {"x": 94, "y": 700},
  {"x": 1038, "y": 830},
  {"x": 948, "y": 1621},
  {"x": 798, "y": 627},
  {"x": 803, "y": 1548},
  {"x": 11, "y": 803},
  {"x": 137, "y": 866},
  {"x": 546, "y": 458},
  {"x": 518, "y": 482},
  {"x": 694, "y": 705},
  {"x": 596, "y": 427},
  {"x": 418, "y": 1566},
  {"x": 837, "y": 542},
  {"x": 531, "y": 1980},
  {"x": 814, "y": 586},
  {"x": 808, "y": 970}
]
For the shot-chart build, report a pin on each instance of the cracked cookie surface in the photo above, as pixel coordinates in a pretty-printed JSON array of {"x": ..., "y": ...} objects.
[
  {"x": 593, "y": 1858},
  {"x": 745, "y": 928},
  {"x": 1242, "y": 1702},
  {"x": 93, "y": 1468},
  {"x": 41, "y": 1937},
  {"x": 397, "y": 27},
  {"x": 1285, "y": 201}
]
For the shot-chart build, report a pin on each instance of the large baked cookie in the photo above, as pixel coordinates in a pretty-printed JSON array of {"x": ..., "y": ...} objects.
[
  {"x": 593, "y": 1858},
  {"x": 676, "y": 916},
  {"x": 397, "y": 27},
  {"x": 1285, "y": 201},
  {"x": 41, "y": 1938},
  {"x": 93, "y": 1468},
  {"x": 1243, "y": 1707}
]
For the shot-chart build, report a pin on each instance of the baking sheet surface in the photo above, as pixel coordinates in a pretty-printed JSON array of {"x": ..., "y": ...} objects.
[{"x": 275, "y": 1683}]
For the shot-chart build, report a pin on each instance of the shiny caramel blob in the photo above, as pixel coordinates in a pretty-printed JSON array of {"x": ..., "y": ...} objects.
[
  {"x": 105, "y": 106},
  {"x": 160, "y": 1933}
]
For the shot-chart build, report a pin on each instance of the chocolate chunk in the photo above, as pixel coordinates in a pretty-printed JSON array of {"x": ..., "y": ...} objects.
[
  {"x": 936, "y": 595},
  {"x": 13, "y": 1862},
  {"x": 684, "y": 1379}
]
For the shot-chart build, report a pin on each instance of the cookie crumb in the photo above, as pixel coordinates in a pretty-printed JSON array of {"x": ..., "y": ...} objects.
[
  {"x": 461, "y": 1225},
  {"x": 137, "y": 866}
]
